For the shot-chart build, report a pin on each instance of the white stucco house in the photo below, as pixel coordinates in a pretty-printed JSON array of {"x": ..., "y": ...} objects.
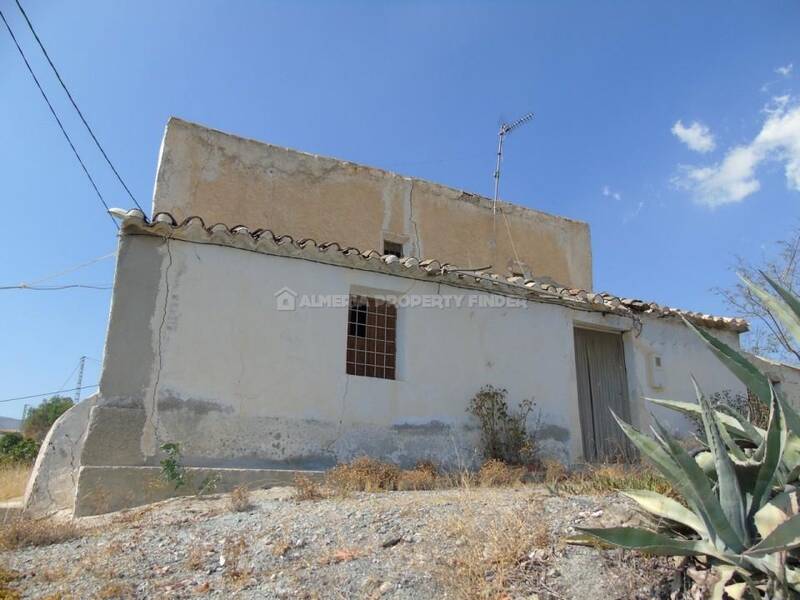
[{"x": 262, "y": 353}]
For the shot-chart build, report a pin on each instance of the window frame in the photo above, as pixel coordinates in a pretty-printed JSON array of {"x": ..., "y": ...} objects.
[{"x": 371, "y": 342}]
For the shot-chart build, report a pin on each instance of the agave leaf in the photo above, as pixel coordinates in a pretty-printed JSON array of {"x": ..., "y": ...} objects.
[
  {"x": 651, "y": 449},
  {"x": 676, "y": 475},
  {"x": 774, "y": 445},
  {"x": 752, "y": 433},
  {"x": 738, "y": 364},
  {"x": 793, "y": 577},
  {"x": 724, "y": 574},
  {"x": 786, "y": 311},
  {"x": 693, "y": 409},
  {"x": 696, "y": 488},
  {"x": 736, "y": 590},
  {"x": 650, "y": 542},
  {"x": 775, "y": 512},
  {"x": 667, "y": 508},
  {"x": 730, "y": 494},
  {"x": 784, "y": 537},
  {"x": 705, "y": 460},
  {"x": 736, "y": 452},
  {"x": 790, "y": 414}
]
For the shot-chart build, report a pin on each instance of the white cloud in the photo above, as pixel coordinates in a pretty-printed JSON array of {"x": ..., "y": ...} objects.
[
  {"x": 697, "y": 136},
  {"x": 785, "y": 71},
  {"x": 633, "y": 214},
  {"x": 609, "y": 193},
  {"x": 734, "y": 178}
]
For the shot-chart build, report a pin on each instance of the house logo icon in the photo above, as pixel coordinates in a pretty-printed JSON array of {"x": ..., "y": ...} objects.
[{"x": 285, "y": 299}]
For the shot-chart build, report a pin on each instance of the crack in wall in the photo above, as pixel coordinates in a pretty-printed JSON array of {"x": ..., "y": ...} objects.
[{"x": 152, "y": 419}]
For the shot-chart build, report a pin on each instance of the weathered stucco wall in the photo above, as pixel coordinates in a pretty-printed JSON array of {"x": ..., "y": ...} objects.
[
  {"x": 197, "y": 353},
  {"x": 55, "y": 473},
  {"x": 228, "y": 179},
  {"x": 785, "y": 378}
]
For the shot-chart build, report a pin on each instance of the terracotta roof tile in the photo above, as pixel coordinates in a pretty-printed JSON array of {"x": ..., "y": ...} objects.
[{"x": 543, "y": 289}]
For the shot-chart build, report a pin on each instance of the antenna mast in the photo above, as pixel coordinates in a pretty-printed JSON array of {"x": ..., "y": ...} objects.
[
  {"x": 505, "y": 129},
  {"x": 79, "y": 383}
]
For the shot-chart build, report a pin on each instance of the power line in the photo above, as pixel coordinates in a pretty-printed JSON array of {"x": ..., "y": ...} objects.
[
  {"x": 55, "y": 116},
  {"x": 71, "y": 269},
  {"x": 75, "y": 105},
  {"x": 50, "y": 288},
  {"x": 70, "y": 375},
  {"x": 85, "y": 387}
]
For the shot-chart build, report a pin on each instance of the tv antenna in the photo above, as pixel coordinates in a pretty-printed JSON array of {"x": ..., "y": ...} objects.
[{"x": 505, "y": 129}]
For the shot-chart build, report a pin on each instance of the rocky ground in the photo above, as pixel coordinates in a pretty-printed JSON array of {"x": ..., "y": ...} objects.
[{"x": 491, "y": 543}]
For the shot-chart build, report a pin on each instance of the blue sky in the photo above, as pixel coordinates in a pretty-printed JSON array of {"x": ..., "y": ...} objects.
[{"x": 672, "y": 128}]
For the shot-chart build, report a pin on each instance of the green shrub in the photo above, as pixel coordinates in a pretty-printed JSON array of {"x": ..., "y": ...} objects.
[
  {"x": 504, "y": 434},
  {"x": 39, "y": 420},
  {"x": 16, "y": 448}
]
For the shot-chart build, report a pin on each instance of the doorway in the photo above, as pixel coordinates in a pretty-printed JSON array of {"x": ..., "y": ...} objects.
[{"x": 602, "y": 387}]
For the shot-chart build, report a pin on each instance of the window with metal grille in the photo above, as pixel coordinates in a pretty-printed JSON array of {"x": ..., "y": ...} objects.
[
  {"x": 393, "y": 248},
  {"x": 371, "y": 337}
]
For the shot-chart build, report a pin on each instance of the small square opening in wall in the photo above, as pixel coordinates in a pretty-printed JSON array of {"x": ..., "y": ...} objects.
[
  {"x": 393, "y": 248},
  {"x": 371, "y": 338}
]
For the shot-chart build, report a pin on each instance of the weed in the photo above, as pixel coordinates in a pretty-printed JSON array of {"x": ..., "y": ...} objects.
[
  {"x": 496, "y": 473},
  {"x": 607, "y": 478},
  {"x": 172, "y": 469},
  {"x": 363, "y": 474},
  {"x": 239, "y": 500},
  {"x": 209, "y": 484},
  {"x": 21, "y": 533},
  {"x": 509, "y": 553},
  {"x": 6, "y": 578},
  {"x": 196, "y": 559},
  {"x": 233, "y": 552},
  {"x": 306, "y": 488},
  {"x": 114, "y": 590},
  {"x": 424, "y": 476},
  {"x": 281, "y": 547},
  {"x": 504, "y": 434}
]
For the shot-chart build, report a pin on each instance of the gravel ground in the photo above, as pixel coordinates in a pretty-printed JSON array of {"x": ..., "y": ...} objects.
[{"x": 498, "y": 543}]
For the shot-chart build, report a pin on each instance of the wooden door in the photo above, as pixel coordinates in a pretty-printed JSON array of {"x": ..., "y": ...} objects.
[{"x": 602, "y": 387}]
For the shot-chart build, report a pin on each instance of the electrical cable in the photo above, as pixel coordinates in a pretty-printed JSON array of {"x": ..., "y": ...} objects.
[
  {"x": 71, "y": 269},
  {"x": 55, "y": 116},
  {"x": 50, "y": 288},
  {"x": 84, "y": 387},
  {"x": 75, "y": 105}
]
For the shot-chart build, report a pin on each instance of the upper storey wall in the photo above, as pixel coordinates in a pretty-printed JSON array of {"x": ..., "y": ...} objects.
[{"x": 228, "y": 179}]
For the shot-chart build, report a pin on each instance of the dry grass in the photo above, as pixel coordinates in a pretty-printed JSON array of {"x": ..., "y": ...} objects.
[
  {"x": 239, "y": 500},
  {"x": 196, "y": 559},
  {"x": 602, "y": 479},
  {"x": 341, "y": 555},
  {"x": 6, "y": 578},
  {"x": 496, "y": 473},
  {"x": 235, "y": 573},
  {"x": 112, "y": 591},
  {"x": 306, "y": 488},
  {"x": 502, "y": 557},
  {"x": 13, "y": 479},
  {"x": 21, "y": 533},
  {"x": 363, "y": 474},
  {"x": 425, "y": 476}
]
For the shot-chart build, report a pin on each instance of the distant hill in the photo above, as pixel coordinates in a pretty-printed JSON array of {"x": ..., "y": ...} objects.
[{"x": 9, "y": 424}]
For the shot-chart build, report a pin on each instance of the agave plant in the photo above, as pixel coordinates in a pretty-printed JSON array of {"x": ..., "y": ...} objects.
[{"x": 741, "y": 497}]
